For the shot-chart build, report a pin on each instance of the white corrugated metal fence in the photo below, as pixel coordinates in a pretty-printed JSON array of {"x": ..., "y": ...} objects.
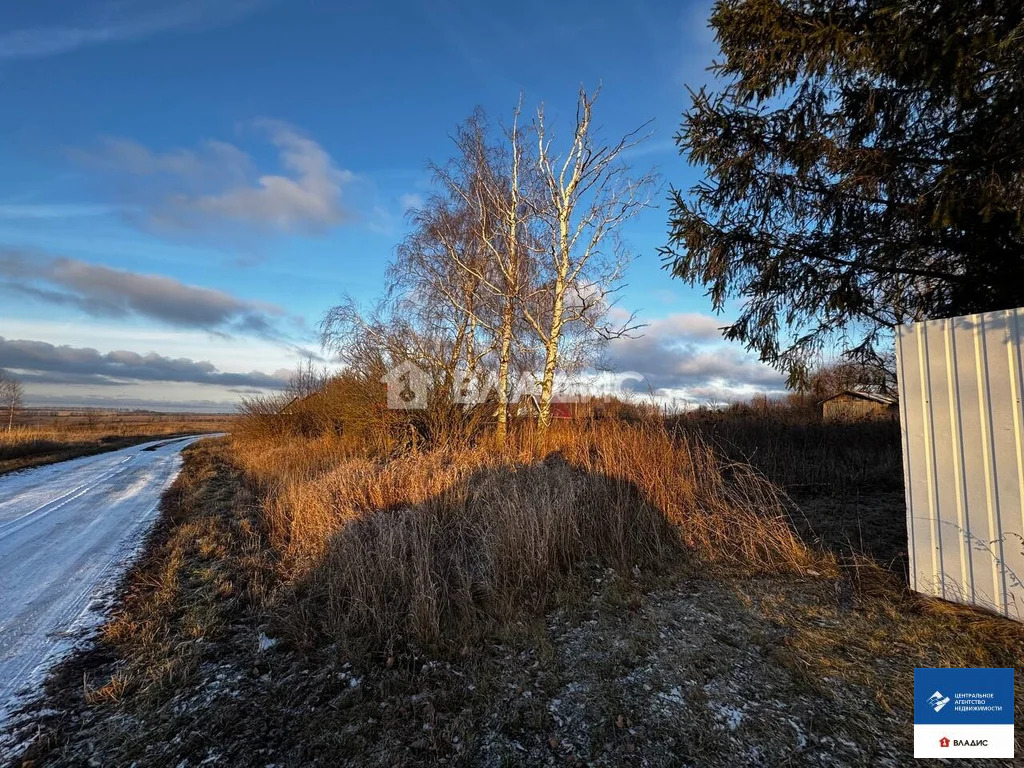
[{"x": 960, "y": 407}]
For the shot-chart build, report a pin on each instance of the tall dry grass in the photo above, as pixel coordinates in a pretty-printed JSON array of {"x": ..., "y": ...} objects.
[
  {"x": 793, "y": 448},
  {"x": 438, "y": 545}
]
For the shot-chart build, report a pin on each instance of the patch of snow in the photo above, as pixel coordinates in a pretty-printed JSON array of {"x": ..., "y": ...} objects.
[
  {"x": 673, "y": 695},
  {"x": 732, "y": 716}
]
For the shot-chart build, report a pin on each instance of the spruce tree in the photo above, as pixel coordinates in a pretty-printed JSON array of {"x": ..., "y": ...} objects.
[{"x": 864, "y": 166}]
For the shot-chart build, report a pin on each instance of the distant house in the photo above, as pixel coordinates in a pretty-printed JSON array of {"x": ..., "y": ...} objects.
[
  {"x": 565, "y": 410},
  {"x": 529, "y": 407},
  {"x": 859, "y": 404}
]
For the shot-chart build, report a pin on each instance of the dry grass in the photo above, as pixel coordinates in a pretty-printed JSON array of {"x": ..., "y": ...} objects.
[
  {"x": 436, "y": 547},
  {"x": 846, "y": 478},
  {"x": 868, "y": 629},
  {"x": 794, "y": 449},
  {"x": 57, "y": 440},
  {"x": 598, "y": 577},
  {"x": 205, "y": 564}
]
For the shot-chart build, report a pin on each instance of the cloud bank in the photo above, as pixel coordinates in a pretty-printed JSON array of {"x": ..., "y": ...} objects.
[
  {"x": 44, "y": 363},
  {"x": 101, "y": 291},
  {"x": 683, "y": 356}
]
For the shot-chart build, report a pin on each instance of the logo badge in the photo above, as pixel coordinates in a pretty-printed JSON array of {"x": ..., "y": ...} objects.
[
  {"x": 938, "y": 701},
  {"x": 963, "y": 713}
]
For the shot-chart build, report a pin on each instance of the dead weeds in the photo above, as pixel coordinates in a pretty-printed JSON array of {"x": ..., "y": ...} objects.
[{"x": 294, "y": 616}]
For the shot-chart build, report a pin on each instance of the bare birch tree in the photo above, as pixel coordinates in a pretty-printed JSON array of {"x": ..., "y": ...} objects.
[
  {"x": 587, "y": 194},
  {"x": 429, "y": 285},
  {"x": 436, "y": 312},
  {"x": 11, "y": 396},
  {"x": 494, "y": 183},
  {"x": 516, "y": 256}
]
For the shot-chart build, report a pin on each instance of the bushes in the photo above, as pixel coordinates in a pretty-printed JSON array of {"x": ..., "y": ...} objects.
[
  {"x": 346, "y": 405},
  {"x": 355, "y": 407}
]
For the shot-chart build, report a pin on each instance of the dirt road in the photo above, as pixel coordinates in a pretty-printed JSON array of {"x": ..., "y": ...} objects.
[{"x": 67, "y": 532}]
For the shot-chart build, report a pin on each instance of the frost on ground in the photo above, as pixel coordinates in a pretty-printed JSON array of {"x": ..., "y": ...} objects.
[
  {"x": 686, "y": 674},
  {"x": 641, "y": 669},
  {"x": 67, "y": 533}
]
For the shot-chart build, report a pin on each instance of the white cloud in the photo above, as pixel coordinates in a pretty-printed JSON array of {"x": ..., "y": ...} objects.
[
  {"x": 683, "y": 356},
  {"x": 310, "y": 199},
  {"x": 216, "y": 187},
  {"x": 410, "y": 201},
  {"x": 212, "y": 163}
]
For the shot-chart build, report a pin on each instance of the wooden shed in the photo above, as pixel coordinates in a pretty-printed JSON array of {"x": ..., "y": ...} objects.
[{"x": 859, "y": 405}]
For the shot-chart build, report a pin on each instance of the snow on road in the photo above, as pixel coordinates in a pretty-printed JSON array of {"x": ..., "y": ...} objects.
[{"x": 67, "y": 532}]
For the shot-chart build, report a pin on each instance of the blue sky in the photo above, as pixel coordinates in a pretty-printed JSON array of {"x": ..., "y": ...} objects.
[{"x": 189, "y": 185}]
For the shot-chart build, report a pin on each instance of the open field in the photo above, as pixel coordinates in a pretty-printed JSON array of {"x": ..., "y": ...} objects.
[
  {"x": 44, "y": 436},
  {"x": 586, "y": 377},
  {"x": 617, "y": 594}
]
